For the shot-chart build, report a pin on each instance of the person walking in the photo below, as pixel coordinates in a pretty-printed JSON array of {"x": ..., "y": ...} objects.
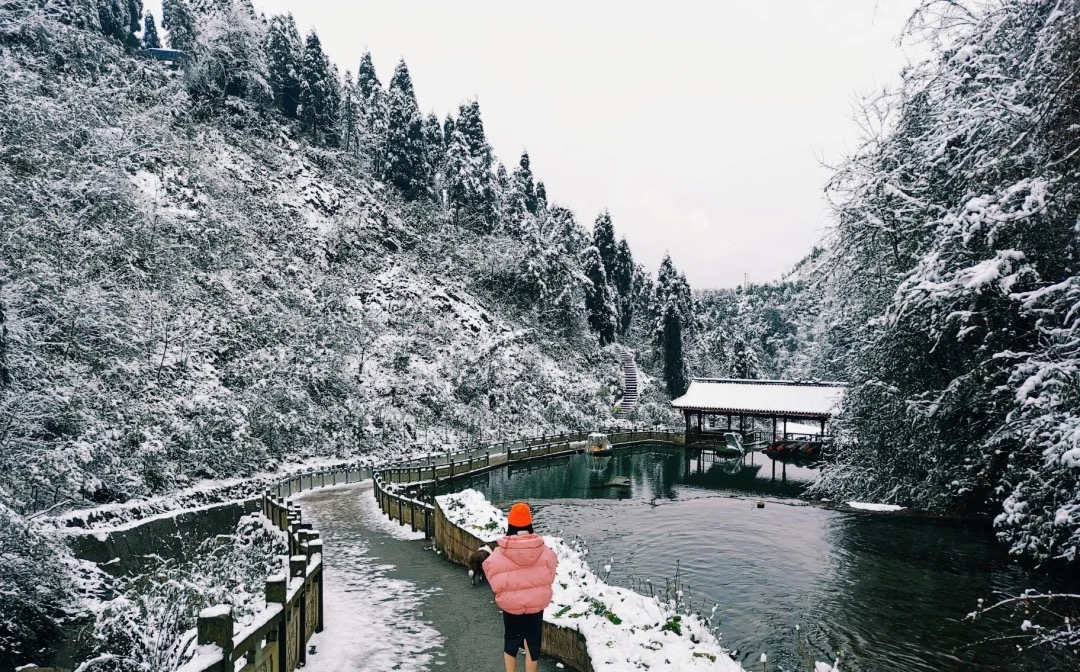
[{"x": 521, "y": 571}]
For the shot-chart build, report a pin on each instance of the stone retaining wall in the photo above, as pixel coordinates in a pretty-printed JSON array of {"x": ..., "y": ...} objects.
[
  {"x": 134, "y": 546},
  {"x": 457, "y": 545}
]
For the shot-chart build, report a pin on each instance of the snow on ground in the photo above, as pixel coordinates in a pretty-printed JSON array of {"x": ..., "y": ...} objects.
[
  {"x": 863, "y": 506},
  {"x": 623, "y": 629},
  {"x": 377, "y": 519},
  {"x": 472, "y": 512},
  {"x": 373, "y": 621}
]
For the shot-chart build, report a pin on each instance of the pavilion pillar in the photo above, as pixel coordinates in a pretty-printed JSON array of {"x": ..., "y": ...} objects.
[
  {"x": 785, "y": 429},
  {"x": 686, "y": 414},
  {"x": 774, "y": 428},
  {"x": 823, "y": 428}
]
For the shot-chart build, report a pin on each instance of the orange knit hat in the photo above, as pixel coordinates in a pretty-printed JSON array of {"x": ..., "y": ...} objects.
[{"x": 520, "y": 515}]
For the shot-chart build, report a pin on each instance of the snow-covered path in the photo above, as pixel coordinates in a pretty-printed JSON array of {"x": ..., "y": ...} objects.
[
  {"x": 390, "y": 603},
  {"x": 373, "y": 621}
]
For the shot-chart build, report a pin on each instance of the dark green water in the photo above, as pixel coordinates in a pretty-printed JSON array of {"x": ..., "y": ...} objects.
[{"x": 890, "y": 591}]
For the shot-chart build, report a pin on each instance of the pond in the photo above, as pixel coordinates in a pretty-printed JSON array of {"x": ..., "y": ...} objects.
[{"x": 889, "y": 591}]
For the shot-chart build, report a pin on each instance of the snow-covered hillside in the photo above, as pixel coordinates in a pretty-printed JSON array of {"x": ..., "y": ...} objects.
[{"x": 188, "y": 299}]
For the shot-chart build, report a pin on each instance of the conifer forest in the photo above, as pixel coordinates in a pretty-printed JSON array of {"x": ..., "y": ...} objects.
[{"x": 224, "y": 256}]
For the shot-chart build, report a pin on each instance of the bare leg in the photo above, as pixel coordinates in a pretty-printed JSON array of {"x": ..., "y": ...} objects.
[
  {"x": 530, "y": 662},
  {"x": 511, "y": 662}
]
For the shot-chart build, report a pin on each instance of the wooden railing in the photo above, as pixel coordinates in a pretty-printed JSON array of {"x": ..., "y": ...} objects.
[{"x": 276, "y": 640}]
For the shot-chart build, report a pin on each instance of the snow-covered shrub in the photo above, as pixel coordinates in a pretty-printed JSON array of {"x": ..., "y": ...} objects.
[
  {"x": 150, "y": 625},
  {"x": 229, "y": 61},
  {"x": 35, "y": 591}
]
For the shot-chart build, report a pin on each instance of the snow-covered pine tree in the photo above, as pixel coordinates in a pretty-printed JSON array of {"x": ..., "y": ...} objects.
[
  {"x": 319, "y": 99},
  {"x": 372, "y": 105},
  {"x": 150, "y": 39},
  {"x": 406, "y": 163},
  {"x": 599, "y": 299},
  {"x": 349, "y": 119},
  {"x": 284, "y": 52},
  {"x": 121, "y": 19},
  {"x": 604, "y": 240},
  {"x": 503, "y": 192},
  {"x": 436, "y": 154},
  {"x": 550, "y": 280},
  {"x": 622, "y": 278},
  {"x": 179, "y": 20},
  {"x": 448, "y": 131},
  {"x": 671, "y": 285},
  {"x": 470, "y": 184},
  {"x": 744, "y": 360},
  {"x": 541, "y": 197},
  {"x": 524, "y": 186},
  {"x": 675, "y": 375},
  {"x": 671, "y": 296}
]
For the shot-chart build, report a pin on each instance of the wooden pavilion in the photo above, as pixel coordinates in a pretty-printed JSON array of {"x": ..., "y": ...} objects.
[{"x": 711, "y": 405}]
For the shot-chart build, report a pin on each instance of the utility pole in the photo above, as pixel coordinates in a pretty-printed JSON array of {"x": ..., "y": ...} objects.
[{"x": 746, "y": 281}]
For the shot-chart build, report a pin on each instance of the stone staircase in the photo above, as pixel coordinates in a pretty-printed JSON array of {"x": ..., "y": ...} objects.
[{"x": 629, "y": 400}]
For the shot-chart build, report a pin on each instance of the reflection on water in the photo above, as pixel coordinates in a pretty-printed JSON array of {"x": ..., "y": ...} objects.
[
  {"x": 890, "y": 591},
  {"x": 652, "y": 473}
]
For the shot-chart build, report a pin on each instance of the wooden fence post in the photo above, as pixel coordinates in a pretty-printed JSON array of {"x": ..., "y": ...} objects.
[
  {"x": 277, "y": 592},
  {"x": 315, "y": 545},
  {"x": 215, "y": 626},
  {"x": 298, "y": 569}
]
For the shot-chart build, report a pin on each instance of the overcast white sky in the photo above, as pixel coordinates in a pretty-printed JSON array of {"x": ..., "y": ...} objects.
[{"x": 700, "y": 124}]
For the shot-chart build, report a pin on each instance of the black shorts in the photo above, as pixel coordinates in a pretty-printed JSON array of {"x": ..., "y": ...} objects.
[{"x": 518, "y": 628}]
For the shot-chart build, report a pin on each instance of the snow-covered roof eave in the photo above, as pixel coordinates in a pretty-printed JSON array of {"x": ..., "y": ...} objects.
[{"x": 763, "y": 397}]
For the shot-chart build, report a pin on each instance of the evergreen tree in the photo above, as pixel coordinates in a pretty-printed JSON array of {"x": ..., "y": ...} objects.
[
  {"x": 470, "y": 184},
  {"x": 150, "y": 39},
  {"x": 121, "y": 19},
  {"x": 371, "y": 100},
  {"x": 448, "y": 131},
  {"x": 319, "y": 94},
  {"x": 351, "y": 124},
  {"x": 675, "y": 375},
  {"x": 744, "y": 361},
  {"x": 541, "y": 197},
  {"x": 179, "y": 20},
  {"x": 599, "y": 301},
  {"x": 672, "y": 307},
  {"x": 436, "y": 154},
  {"x": 284, "y": 52},
  {"x": 622, "y": 278},
  {"x": 524, "y": 187},
  {"x": 604, "y": 240},
  {"x": 406, "y": 166}
]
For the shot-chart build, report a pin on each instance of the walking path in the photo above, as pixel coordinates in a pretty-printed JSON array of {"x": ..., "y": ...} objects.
[{"x": 392, "y": 603}]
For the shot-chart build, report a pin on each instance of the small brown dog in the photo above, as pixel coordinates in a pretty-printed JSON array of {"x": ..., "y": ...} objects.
[{"x": 476, "y": 564}]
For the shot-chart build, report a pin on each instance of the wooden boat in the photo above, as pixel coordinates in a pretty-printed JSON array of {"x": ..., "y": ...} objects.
[
  {"x": 794, "y": 450},
  {"x": 598, "y": 445}
]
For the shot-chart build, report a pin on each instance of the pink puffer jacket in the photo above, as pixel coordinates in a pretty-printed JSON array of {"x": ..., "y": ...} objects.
[{"x": 521, "y": 572}]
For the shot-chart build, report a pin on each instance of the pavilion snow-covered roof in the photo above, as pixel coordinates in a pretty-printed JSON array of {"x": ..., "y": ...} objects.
[{"x": 783, "y": 398}]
